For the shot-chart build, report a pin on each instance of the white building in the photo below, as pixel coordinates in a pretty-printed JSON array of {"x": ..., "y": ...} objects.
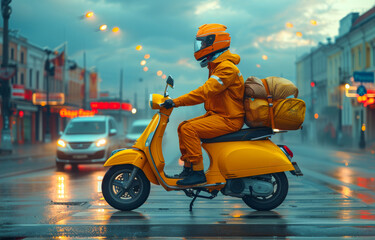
[{"x": 340, "y": 117}]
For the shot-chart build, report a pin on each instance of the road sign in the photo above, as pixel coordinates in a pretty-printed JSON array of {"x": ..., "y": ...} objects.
[
  {"x": 18, "y": 91},
  {"x": 364, "y": 77},
  {"x": 7, "y": 73},
  {"x": 361, "y": 90}
]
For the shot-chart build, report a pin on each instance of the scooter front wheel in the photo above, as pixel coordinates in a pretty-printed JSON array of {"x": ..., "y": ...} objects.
[
  {"x": 119, "y": 197},
  {"x": 281, "y": 186}
]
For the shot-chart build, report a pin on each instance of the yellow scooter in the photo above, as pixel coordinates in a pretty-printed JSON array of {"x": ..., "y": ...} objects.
[{"x": 244, "y": 164}]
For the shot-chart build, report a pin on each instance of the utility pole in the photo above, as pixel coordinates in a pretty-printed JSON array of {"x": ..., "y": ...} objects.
[
  {"x": 84, "y": 82},
  {"x": 339, "y": 127},
  {"x": 362, "y": 142},
  {"x": 47, "y": 68},
  {"x": 313, "y": 120},
  {"x": 120, "y": 95},
  {"x": 6, "y": 140}
]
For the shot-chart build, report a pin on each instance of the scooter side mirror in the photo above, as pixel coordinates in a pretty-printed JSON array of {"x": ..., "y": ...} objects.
[{"x": 170, "y": 81}]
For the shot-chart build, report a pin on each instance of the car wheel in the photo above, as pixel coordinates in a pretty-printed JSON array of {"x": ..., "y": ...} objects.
[
  {"x": 60, "y": 166},
  {"x": 74, "y": 167}
]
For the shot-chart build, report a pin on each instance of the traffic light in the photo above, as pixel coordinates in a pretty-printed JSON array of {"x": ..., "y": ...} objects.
[
  {"x": 312, "y": 84},
  {"x": 362, "y": 99},
  {"x": 49, "y": 68}
]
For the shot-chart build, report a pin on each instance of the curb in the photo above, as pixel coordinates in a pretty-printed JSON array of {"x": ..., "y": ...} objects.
[{"x": 23, "y": 156}]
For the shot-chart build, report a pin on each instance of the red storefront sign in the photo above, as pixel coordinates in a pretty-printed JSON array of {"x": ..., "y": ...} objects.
[
  {"x": 110, "y": 106},
  {"x": 77, "y": 113},
  {"x": 53, "y": 99}
]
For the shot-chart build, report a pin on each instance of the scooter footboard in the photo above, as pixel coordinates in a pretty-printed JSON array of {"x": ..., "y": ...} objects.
[{"x": 133, "y": 157}]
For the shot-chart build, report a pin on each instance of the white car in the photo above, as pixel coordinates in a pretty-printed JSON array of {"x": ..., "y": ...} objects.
[
  {"x": 136, "y": 130},
  {"x": 88, "y": 140}
]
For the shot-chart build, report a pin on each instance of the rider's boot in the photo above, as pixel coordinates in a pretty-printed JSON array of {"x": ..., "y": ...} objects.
[
  {"x": 185, "y": 172},
  {"x": 194, "y": 178}
]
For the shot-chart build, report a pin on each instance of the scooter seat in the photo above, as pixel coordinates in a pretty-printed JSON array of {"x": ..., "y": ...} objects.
[{"x": 246, "y": 134}]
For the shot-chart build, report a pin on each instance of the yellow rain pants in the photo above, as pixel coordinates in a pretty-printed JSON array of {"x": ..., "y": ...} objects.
[{"x": 222, "y": 95}]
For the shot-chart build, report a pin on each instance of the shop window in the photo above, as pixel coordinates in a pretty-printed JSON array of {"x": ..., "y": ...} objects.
[
  {"x": 37, "y": 79},
  {"x": 12, "y": 53},
  {"x": 22, "y": 79},
  {"x": 359, "y": 58},
  {"x": 368, "y": 56},
  {"x": 30, "y": 78}
]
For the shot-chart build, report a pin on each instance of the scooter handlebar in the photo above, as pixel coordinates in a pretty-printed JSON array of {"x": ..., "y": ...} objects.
[{"x": 168, "y": 104}]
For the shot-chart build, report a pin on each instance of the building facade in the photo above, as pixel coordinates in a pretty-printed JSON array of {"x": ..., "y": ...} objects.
[
  {"x": 340, "y": 118},
  {"x": 28, "y": 121}
]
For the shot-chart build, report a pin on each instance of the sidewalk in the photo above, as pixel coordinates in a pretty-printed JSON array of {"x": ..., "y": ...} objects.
[{"x": 30, "y": 150}]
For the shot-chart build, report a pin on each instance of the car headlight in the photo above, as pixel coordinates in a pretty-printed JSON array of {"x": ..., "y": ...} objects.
[
  {"x": 101, "y": 142},
  {"x": 61, "y": 143}
]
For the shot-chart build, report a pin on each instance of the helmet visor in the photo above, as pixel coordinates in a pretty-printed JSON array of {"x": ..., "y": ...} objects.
[
  {"x": 198, "y": 45},
  {"x": 203, "y": 42}
]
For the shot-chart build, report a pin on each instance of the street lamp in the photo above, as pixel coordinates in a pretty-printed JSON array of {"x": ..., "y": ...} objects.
[
  {"x": 115, "y": 29},
  {"x": 103, "y": 27},
  {"x": 47, "y": 68},
  {"x": 6, "y": 140},
  {"x": 89, "y": 14},
  {"x": 289, "y": 25}
]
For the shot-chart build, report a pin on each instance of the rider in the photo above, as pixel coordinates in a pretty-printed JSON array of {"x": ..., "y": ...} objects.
[{"x": 222, "y": 95}]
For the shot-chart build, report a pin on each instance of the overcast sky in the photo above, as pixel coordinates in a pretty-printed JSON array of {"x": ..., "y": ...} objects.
[{"x": 166, "y": 30}]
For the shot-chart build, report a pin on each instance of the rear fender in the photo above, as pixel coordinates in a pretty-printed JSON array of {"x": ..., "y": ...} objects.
[{"x": 133, "y": 157}]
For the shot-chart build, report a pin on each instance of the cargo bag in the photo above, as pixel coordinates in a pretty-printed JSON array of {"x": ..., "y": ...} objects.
[
  {"x": 279, "y": 88},
  {"x": 283, "y": 114},
  {"x": 288, "y": 114}
]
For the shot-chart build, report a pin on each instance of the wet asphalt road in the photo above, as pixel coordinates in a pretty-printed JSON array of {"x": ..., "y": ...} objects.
[{"x": 335, "y": 199}]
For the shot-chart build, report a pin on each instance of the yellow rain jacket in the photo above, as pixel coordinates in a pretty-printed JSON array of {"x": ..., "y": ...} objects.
[
  {"x": 223, "y": 91},
  {"x": 222, "y": 95}
]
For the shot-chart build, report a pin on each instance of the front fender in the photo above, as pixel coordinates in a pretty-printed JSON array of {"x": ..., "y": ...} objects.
[{"x": 133, "y": 157}]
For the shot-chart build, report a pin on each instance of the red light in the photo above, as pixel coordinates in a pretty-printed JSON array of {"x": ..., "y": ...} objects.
[
  {"x": 21, "y": 114},
  {"x": 126, "y": 106},
  {"x": 288, "y": 151},
  {"x": 111, "y": 106},
  {"x": 312, "y": 84},
  {"x": 114, "y": 105}
]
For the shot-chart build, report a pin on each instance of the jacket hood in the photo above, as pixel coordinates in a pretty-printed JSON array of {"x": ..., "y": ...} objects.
[{"x": 227, "y": 55}]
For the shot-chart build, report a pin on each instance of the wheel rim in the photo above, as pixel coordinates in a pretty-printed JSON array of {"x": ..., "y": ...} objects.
[
  {"x": 276, "y": 181},
  {"x": 117, "y": 190}
]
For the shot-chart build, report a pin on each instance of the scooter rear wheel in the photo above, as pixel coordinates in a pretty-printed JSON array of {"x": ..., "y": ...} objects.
[
  {"x": 125, "y": 199},
  {"x": 281, "y": 187}
]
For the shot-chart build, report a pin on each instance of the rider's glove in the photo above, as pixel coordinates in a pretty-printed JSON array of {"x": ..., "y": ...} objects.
[{"x": 168, "y": 104}]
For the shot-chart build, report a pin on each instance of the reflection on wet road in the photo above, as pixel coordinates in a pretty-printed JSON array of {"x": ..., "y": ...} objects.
[{"x": 335, "y": 198}]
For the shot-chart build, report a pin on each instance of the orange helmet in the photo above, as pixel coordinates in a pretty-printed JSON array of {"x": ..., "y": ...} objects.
[{"x": 211, "y": 38}]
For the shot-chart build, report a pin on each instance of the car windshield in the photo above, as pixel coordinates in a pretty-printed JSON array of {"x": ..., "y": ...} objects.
[
  {"x": 138, "y": 129},
  {"x": 89, "y": 127}
]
